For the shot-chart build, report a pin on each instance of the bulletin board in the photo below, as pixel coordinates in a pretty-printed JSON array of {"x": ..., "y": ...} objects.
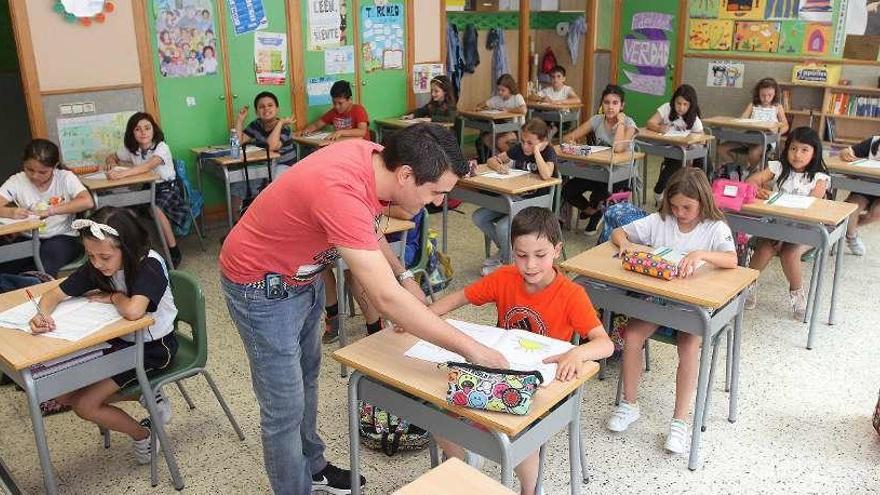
[{"x": 328, "y": 50}]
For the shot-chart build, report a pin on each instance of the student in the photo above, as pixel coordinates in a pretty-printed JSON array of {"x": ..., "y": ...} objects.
[
  {"x": 533, "y": 295},
  {"x": 870, "y": 205},
  {"x": 681, "y": 113},
  {"x": 534, "y": 154},
  {"x": 766, "y": 105},
  {"x": 690, "y": 222},
  {"x": 612, "y": 127},
  {"x": 801, "y": 171},
  {"x": 145, "y": 150},
  {"x": 441, "y": 108},
  {"x": 348, "y": 118},
  {"x": 122, "y": 271},
  {"x": 508, "y": 99},
  {"x": 43, "y": 188},
  {"x": 557, "y": 92}
]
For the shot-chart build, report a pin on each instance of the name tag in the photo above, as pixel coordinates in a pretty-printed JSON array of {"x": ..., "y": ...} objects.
[{"x": 730, "y": 191}]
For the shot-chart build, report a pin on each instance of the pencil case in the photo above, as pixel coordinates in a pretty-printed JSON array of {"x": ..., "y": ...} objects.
[
  {"x": 649, "y": 264},
  {"x": 491, "y": 389},
  {"x": 575, "y": 149}
]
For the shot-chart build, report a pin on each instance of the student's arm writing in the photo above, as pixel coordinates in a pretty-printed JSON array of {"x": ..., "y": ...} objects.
[
  {"x": 819, "y": 189},
  {"x": 577, "y": 134},
  {"x": 760, "y": 180},
  {"x": 848, "y": 155},
  {"x": 359, "y": 131},
  {"x": 721, "y": 259},
  {"x": 783, "y": 120},
  {"x": 48, "y": 302},
  {"x": 7, "y": 211},
  {"x": 81, "y": 202},
  {"x": 655, "y": 123},
  {"x": 313, "y": 127},
  {"x": 499, "y": 163},
  {"x": 131, "y": 308}
]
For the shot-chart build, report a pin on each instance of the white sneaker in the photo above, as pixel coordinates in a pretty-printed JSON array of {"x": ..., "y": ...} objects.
[
  {"x": 798, "y": 300},
  {"x": 492, "y": 260},
  {"x": 163, "y": 407},
  {"x": 855, "y": 245},
  {"x": 676, "y": 440},
  {"x": 488, "y": 269},
  {"x": 142, "y": 451},
  {"x": 752, "y": 296},
  {"x": 623, "y": 415}
]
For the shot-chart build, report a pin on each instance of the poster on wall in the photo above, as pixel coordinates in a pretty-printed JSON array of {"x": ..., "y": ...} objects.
[
  {"x": 186, "y": 43},
  {"x": 791, "y": 37},
  {"x": 339, "y": 60},
  {"x": 327, "y": 24},
  {"x": 422, "y": 76},
  {"x": 88, "y": 140},
  {"x": 756, "y": 37},
  {"x": 318, "y": 90},
  {"x": 382, "y": 36},
  {"x": 817, "y": 38},
  {"x": 647, "y": 49},
  {"x": 270, "y": 58},
  {"x": 725, "y": 74},
  {"x": 710, "y": 34},
  {"x": 815, "y": 10},
  {"x": 247, "y": 15}
]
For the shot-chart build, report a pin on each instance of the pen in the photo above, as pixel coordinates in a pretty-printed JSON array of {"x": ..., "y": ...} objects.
[
  {"x": 37, "y": 306},
  {"x": 774, "y": 198}
]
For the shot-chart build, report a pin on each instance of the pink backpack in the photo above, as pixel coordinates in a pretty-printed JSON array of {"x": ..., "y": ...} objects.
[{"x": 731, "y": 195}]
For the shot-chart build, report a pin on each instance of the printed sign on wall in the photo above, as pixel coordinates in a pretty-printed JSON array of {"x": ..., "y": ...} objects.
[{"x": 647, "y": 49}]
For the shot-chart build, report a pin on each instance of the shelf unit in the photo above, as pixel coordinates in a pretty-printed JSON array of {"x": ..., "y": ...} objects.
[{"x": 810, "y": 104}]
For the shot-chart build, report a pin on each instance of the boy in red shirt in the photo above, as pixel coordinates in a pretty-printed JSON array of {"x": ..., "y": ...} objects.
[
  {"x": 347, "y": 117},
  {"x": 532, "y": 295}
]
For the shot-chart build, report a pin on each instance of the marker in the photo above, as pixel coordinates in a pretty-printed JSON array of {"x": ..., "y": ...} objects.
[
  {"x": 37, "y": 306},
  {"x": 774, "y": 198}
]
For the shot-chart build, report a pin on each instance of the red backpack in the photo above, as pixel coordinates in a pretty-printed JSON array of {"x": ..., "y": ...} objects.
[{"x": 548, "y": 62}]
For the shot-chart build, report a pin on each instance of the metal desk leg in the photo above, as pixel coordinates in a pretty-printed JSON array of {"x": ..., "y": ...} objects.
[
  {"x": 702, "y": 390},
  {"x": 734, "y": 358},
  {"x": 49, "y": 481},
  {"x": 821, "y": 256},
  {"x": 340, "y": 300},
  {"x": 815, "y": 273},
  {"x": 230, "y": 220},
  {"x": 539, "y": 486},
  {"x": 574, "y": 444},
  {"x": 35, "y": 242},
  {"x": 504, "y": 448},
  {"x": 354, "y": 419},
  {"x": 153, "y": 210},
  {"x": 838, "y": 266}
]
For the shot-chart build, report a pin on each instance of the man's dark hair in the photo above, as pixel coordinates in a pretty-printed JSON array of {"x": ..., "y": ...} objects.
[
  {"x": 429, "y": 149},
  {"x": 340, "y": 89},
  {"x": 537, "y": 221}
]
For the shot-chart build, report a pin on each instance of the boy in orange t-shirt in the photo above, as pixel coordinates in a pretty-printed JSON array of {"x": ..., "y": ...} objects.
[{"x": 532, "y": 295}]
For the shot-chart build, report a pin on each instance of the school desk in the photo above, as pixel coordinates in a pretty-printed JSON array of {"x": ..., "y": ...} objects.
[
  {"x": 603, "y": 166},
  {"x": 416, "y": 390},
  {"x": 454, "y": 477},
  {"x": 20, "y": 350},
  {"x": 231, "y": 171},
  {"x": 22, "y": 247},
  {"x": 501, "y": 195},
  {"x": 311, "y": 142},
  {"x": 854, "y": 178},
  {"x": 684, "y": 148},
  {"x": 741, "y": 130},
  {"x": 492, "y": 121},
  {"x": 385, "y": 226},
  {"x": 135, "y": 190},
  {"x": 396, "y": 123},
  {"x": 559, "y": 113},
  {"x": 703, "y": 305},
  {"x": 821, "y": 226}
]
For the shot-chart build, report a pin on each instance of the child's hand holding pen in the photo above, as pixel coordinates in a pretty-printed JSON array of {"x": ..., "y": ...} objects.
[{"x": 41, "y": 323}]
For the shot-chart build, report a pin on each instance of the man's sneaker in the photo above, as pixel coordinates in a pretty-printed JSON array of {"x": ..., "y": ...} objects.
[
  {"x": 492, "y": 260},
  {"x": 163, "y": 407},
  {"x": 855, "y": 245},
  {"x": 488, "y": 269},
  {"x": 676, "y": 441},
  {"x": 798, "y": 300},
  {"x": 333, "y": 480},
  {"x": 623, "y": 415},
  {"x": 331, "y": 330},
  {"x": 142, "y": 449},
  {"x": 752, "y": 296}
]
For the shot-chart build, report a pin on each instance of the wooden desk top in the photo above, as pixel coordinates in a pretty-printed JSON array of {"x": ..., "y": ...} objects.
[
  {"x": 380, "y": 356},
  {"x": 454, "y": 477},
  {"x": 399, "y": 123},
  {"x": 549, "y": 105},
  {"x": 601, "y": 157},
  {"x": 494, "y": 116},
  {"x": 824, "y": 211},
  {"x": 101, "y": 184},
  {"x": 20, "y": 350},
  {"x": 319, "y": 143},
  {"x": 709, "y": 287},
  {"x": 692, "y": 138},
  {"x": 253, "y": 154},
  {"x": 740, "y": 123},
  {"x": 515, "y": 185},
  {"x": 391, "y": 225},
  {"x": 835, "y": 164},
  {"x": 21, "y": 226}
]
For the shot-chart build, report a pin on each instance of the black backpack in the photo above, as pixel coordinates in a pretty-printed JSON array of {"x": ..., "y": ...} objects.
[{"x": 250, "y": 195}]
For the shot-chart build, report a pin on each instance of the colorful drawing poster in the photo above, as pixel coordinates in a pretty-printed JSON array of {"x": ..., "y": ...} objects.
[
  {"x": 422, "y": 75},
  {"x": 327, "y": 24},
  {"x": 247, "y": 15},
  {"x": 703, "y": 9},
  {"x": 817, "y": 39},
  {"x": 725, "y": 74},
  {"x": 791, "y": 37},
  {"x": 646, "y": 53},
  {"x": 781, "y": 9},
  {"x": 710, "y": 34},
  {"x": 88, "y": 140},
  {"x": 339, "y": 60},
  {"x": 270, "y": 58},
  {"x": 318, "y": 90},
  {"x": 748, "y": 10},
  {"x": 382, "y": 36},
  {"x": 815, "y": 10},
  {"x": 756, "y": 37},
  {"x": 186, "y": 40}
]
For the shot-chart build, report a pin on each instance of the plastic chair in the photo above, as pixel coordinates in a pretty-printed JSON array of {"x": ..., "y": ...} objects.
[
  {"x": 192, "y": 353},
  {"x": 193, "y": 197}
]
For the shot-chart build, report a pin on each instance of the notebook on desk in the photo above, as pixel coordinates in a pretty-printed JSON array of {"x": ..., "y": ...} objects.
[
  {"x": 75, "y": 318},
  {"x": 11, "y": 221}
]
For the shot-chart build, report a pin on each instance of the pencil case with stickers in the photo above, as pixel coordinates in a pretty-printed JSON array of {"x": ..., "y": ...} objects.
[
  {"x": 491, "y": 389},
  {"x": 649, "y": 264}
]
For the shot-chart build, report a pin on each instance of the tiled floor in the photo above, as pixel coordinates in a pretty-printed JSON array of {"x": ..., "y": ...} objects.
[{"x": 804, "y": 416}]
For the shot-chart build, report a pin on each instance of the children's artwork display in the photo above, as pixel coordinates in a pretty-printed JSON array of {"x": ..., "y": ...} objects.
[
  {"x": 270, "y": 58},
  {"x": 88, "y": 140},
  {"x": 703, "y": 9},
  {"x": 422, "y": 75},
  {"x": 750, "y": 10},
  {"x": 327, "y": 24},
  {"x": 382, "y": 37},
  {"x": 710, "y": 34},
  {"x": 817, "y": 39},
  {"x": 186, "y": 40},
  {"x": 816, "y": 10},
  {"x": 756, "y": 37},
  {"x": 781, "y": 9},
  {"x": 791, "y": 37},
  {"x": 725, "y": 74}
]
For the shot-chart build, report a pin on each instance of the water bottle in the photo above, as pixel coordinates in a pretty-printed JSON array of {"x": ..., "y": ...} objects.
[{"x": 234, "y": 145}]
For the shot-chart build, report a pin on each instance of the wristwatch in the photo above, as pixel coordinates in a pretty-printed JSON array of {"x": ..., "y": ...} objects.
[{"x": 405, "y": 275}]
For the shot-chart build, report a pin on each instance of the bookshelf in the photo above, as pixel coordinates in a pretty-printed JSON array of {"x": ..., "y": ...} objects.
[{"x": 840, "y": 114}]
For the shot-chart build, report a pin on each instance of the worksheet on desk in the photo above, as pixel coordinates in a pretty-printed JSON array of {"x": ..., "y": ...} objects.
[
  {"x": 11, "y": 221},
  {"x": 867, "y": 163},
  {"x": 75, "y": 318},
  {"x": 511, "y": 173},
  {"x": 320, "y": 136},
  {"x": 677, "y": 133},
  {"x": 791, "y": 201}
]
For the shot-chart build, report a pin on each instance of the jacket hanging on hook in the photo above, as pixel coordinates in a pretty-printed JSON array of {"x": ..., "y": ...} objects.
[
  {"x": 454, "y": 60},
  {"x": 495, "y": 42},
  {"x": 470, "y": 51}
]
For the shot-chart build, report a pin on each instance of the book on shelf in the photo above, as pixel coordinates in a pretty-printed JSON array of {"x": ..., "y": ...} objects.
[{"x": 854, "y": 105}]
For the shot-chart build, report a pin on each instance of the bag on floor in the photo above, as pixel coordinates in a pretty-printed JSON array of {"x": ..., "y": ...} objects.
[
  {"x": 381, "y": 430},
  {"x": 439, "y": 266}
]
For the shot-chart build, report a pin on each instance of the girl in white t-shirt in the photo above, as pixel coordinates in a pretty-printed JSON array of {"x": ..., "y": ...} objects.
[
  {"x": 801, "y": 172},
  {"x": 681, "y": 113},
  {"x": 766, "y": 105},
  {"x": 688, "y": 221},
  {"x": 508, "y": 99},
  {"x": 56, "y": 195},
  {"x": 145, "y": 150}
]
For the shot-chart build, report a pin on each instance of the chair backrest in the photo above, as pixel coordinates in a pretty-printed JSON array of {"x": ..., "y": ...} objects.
[
  {"x": 190, "y": 302},
  {"x": 192, "y": 196}
]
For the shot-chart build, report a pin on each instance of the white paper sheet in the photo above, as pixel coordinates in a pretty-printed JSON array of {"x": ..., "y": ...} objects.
[
  {"x": 677, "y": 133},
  {"x": 492, "y": 111},
  {"x": 75, "y": 318},
  {"x": 320, "y": 136},
  {"x": 509, "y": 175},
  {"x": 867, "y": 163},
  {"x": 673, "y": 255},
  {"x": 10, "y": 221},
  {"x": 791, "y": 201}
]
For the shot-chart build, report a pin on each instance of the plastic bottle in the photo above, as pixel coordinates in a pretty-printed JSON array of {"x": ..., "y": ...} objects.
[{"x": 234, "y": 145}]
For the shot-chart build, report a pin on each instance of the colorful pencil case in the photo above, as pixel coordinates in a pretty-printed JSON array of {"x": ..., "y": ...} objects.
[
  {"x": 649, "y": 264},
  {"x": 491, "y": 389}
]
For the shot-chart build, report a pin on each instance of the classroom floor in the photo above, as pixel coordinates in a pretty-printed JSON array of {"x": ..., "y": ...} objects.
[{"x": 804, "y": 416}]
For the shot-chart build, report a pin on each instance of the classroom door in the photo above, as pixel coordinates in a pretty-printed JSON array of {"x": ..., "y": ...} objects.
[
  {"x": 647, "y": 55},
  {"x": 381, "y": 53}
]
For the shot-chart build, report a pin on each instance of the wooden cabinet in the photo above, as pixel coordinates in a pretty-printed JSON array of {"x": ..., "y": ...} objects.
[{"x": 842, "y": 115}]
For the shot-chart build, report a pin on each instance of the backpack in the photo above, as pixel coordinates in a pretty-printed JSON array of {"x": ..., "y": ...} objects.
[
  {"x": 381, "y": 430},
  {"x": 439, "y": 266},
  {"x": 548, "y": 61}
]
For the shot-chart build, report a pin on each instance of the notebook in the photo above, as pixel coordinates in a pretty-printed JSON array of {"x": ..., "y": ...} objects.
[
  {"x": 75, "y": 318},
  {"x": 514, "y": 172}
]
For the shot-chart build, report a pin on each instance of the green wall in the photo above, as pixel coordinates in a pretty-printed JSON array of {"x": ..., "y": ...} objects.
[
  {"x": 606, "y": 21},
  {"x": 8, "y": 56}
]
